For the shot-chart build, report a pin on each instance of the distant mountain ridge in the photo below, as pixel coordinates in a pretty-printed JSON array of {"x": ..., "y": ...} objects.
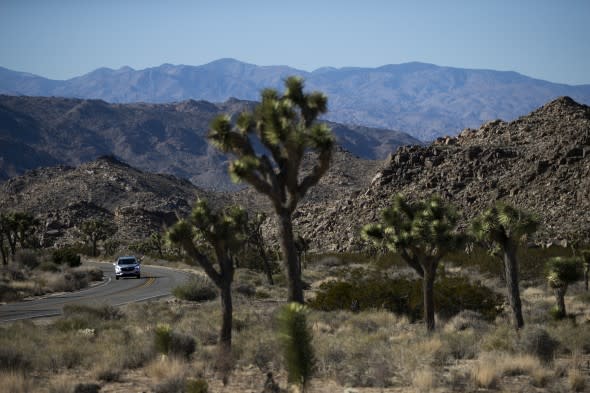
[
  {"x": 162, "y": 138},
  {"x": 424, "y": 100}
]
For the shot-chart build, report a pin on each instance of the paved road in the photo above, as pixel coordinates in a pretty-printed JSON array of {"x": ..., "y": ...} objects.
[{"x": 155, "y": 282}]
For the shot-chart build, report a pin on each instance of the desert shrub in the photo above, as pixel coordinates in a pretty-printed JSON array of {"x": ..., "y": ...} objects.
[
  {"x": 103, "y": 312},
  {"x": 196, "y": 386},
  {"x": 16, "y": 382},
  {"x": 27, "y": 258},
  {"x": 8, "y": 293},
  {"x": 66, "y": 255},
  {"x": 171, "y": 385},
  {"x": 502, "y": 339},
  {"x": 108, "y": 375},
  {"x": 245, "y": 289},
  {"x": 403, "y": 296},
  {"x": 86, "y": 388},
  {"x": 466, "y": 319},
  {"x": 168, "y": 342},
  {"x": 12, "y": 359},
  {"x": 534, "y": 340},
  {"x": 72, "y": 324},
  {"x": 197, "y": 289},
  {"x": 48, "y": 266}
]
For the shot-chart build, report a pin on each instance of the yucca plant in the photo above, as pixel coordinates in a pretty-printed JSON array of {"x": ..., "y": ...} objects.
[
  {"x": 561, "y": 272},
  {"x": 501, "y": 228},
  {"x": 295, "y": 337},
  {"x": 286, "y": 126},
  {"x": 422, "y": 233}
]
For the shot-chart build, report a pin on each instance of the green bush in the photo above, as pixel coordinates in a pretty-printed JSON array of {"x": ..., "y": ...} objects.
[
  {"x": 48, "y": 266},
  {"x": 168, "y": 342},
  {"x": 196, "y": 386},
  {"x": 197, "y": 289},
  {"x": 535, "y": 340},
  {"x": 27, "y": 258},
  {"x": 67, "y": 256},
  {"x": 403, "y": 296},
  {"x": 13, "y": 360}
]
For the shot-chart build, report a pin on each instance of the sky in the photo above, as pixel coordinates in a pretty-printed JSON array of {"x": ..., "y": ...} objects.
[{"x": 61, "y": 39}]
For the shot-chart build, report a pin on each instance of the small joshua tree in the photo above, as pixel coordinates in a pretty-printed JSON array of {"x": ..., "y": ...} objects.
[
  {"x": 95, "y": 230},
  {"x": 501, "y": 228},
  {"x": 285, "y": 127},
  {"x": 561, "y": 272},
  {"x": 223, "y": 232},
  {"x": 295, "y": 337},
  {"x": 422, "y": 233}
]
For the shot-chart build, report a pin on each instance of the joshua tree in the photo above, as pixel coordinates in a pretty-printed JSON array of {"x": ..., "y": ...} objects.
[
  {"x": 224, "y": 233},
  {"x": 284, "y": 127},
  {"x": 95, "y": 230},
  {"x": 561, "y": 272},
  {"x": 18, "y": 228},
  {"x": 586, "y": 262},
  {"x": 422, "y": 233},
  {"x": 501, "y": 228},
  {"x": 3, "y": 237}
]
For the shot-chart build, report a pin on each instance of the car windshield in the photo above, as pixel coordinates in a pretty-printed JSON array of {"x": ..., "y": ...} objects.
[{"x": 126, "y": 261}]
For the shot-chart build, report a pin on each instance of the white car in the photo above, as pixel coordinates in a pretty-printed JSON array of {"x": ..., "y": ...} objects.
[{"x": 127, "y": 266}]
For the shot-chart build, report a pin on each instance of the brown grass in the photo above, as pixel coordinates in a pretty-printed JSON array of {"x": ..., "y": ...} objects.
[{"x": 15, "y": 382}]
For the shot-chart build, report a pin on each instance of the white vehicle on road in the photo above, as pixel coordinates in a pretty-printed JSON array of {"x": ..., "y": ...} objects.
[{"x": 127, "y": 266}]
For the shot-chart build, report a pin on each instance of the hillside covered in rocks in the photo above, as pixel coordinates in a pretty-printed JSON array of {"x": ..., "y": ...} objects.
[
  {"x": 63, "y": 197},
  {"x": 539, "y": 162}
]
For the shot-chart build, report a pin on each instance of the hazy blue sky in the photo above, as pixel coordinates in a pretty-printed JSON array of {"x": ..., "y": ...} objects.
[{"x": 60, "y": 39}]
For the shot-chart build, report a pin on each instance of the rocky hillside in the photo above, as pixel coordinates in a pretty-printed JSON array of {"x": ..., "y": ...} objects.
[
  {"x": 161, "y": 138},
  {"x": 539, "y": 162},
  {"x": 424, "y": 100},
  {"x": 63, "y": 197},
  {"x": 139, "y": 202}
]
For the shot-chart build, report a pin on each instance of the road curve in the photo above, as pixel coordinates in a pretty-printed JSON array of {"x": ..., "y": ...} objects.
[{"x": 155, "y": 282}]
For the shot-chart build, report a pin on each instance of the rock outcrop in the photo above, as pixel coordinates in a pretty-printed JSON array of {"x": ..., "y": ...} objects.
[{"x": 539, "y": 162}]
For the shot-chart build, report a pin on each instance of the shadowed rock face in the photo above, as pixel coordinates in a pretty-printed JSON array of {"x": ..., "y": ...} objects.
[
  {"x": 162, "y": 138},
  {"x": 539, "y": 162}
]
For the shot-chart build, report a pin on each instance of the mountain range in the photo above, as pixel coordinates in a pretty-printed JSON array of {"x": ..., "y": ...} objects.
[
  {"x": 161, "y": 138},
  {"x": 424, "y": 100},
  {"x": 539, "y": 162}
]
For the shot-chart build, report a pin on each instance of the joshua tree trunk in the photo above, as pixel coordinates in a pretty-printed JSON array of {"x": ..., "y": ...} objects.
[
  {"x": 511, "y": 271},
  {"x": 226, "y": 321},
  {"x": 295, "y": 287},
  {"x": 94, "y": 241},
  {"x": 560, "y": 298},
  {"x": 428, "y": 293}
]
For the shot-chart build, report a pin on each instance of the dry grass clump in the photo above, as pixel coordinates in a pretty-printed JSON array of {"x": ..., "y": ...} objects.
[
  {"x": 61, "y": 384},
  {"x": 15, "y": 382},
  {"x": 492, "y": 366},
  {"x": 424, "y": 381},
  {"x": 576, "y": 380}
]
